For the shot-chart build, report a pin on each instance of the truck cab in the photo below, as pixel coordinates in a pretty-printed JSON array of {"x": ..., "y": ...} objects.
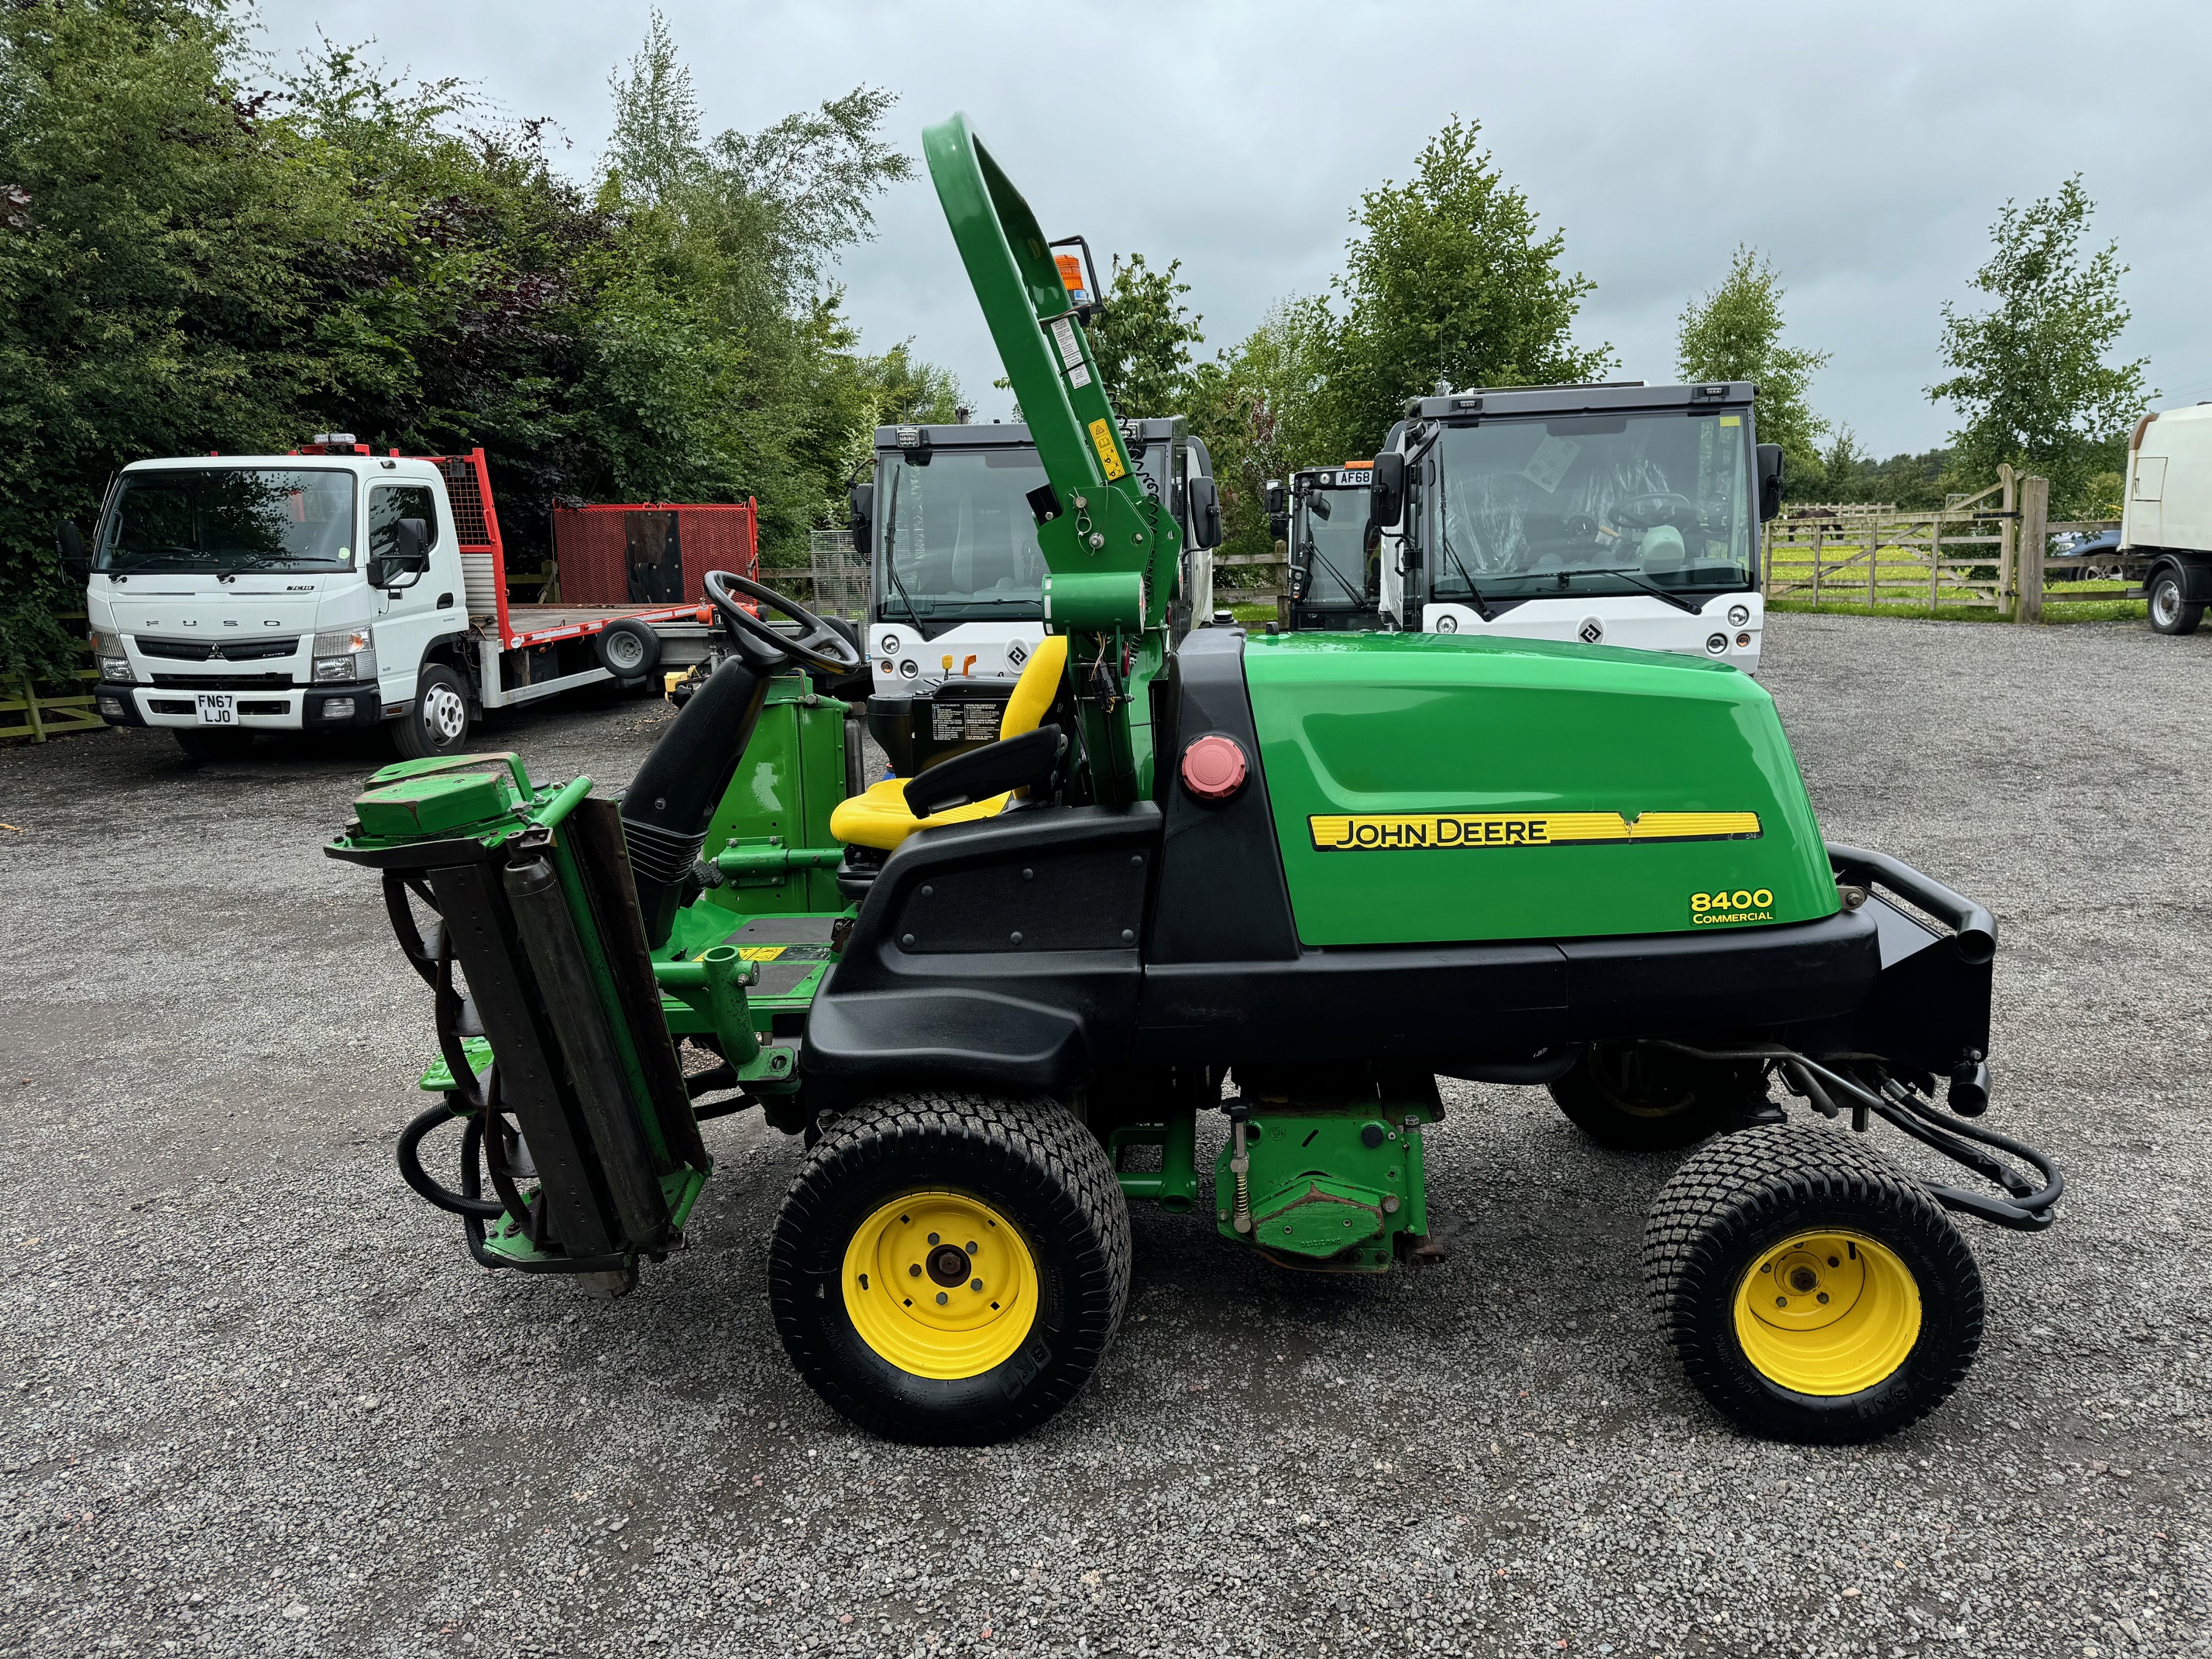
[
  {"x": 333, "y": 587},
  {"x": 956, "y": 609},
  {"x": 1321, "y": 515},
  {"x": 262, "y": 592},
  {"x": 1622, "y": 515}
]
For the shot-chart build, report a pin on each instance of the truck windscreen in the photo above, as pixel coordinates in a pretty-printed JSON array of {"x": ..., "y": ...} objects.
[
  {"x": 211, "y": 520},
  {"x": 956, "y": 541},
  {"x": 1591, "y": 505},
  {"x": 1334, "y": 549}
]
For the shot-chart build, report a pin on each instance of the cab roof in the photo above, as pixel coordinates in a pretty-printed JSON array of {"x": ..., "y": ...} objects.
[{"x": 1608, "y": 399}]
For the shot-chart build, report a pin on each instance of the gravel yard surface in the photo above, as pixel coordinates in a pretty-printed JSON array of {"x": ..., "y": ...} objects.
[{"x": 255, "y": 1399}]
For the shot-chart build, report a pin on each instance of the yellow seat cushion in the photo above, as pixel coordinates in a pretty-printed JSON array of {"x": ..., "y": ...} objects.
[{"x": 881, "y": 818}]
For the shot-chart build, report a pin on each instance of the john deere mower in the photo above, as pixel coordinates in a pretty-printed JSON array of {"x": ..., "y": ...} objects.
[{"x": 1291, "y": 880}]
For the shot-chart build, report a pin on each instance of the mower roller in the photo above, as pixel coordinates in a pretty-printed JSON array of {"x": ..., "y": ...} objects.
[{"x": 1293, "y": 880}]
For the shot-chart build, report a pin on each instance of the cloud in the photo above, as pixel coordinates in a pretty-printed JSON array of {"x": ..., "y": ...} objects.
[{"x": 1866, "y": 148}]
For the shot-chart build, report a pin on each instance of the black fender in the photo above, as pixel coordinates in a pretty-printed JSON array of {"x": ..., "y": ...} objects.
[
  {"x": 2194, "y": 570},
  {"x": 1001, "y": 953}
]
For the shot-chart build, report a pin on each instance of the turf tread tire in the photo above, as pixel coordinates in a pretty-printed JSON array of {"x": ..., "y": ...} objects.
[
  {"x": 1032, "y": 1147},
  {"x": 1738, "y": 1196}
]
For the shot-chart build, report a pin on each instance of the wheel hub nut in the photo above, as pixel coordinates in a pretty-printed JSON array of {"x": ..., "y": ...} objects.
[{"x": 948, "y": 1265}]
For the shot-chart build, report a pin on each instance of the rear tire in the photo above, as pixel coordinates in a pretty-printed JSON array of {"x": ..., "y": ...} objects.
[
  {"x": 437, "y": 723},
  {"x": 2169, "y": 613},
  {"x": 909, "y": 1182},
  {"x": 1635, "y": 1098},
  {"x": 217, "y": 743},
  {"x": 1812, "y": 1291}
]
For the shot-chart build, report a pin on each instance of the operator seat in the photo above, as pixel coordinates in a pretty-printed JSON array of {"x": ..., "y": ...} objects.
[{"x": 881, "y": 818}]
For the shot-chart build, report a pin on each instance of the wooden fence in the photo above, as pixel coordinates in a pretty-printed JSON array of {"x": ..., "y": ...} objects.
[
  {"x": 1988, "y": 551},
  {"x": 38, "y": 715}
]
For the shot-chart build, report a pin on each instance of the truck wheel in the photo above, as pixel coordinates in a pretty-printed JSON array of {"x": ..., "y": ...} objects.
[
  {"x": 948, "y": 1268},
  {"x": 1811, "y": 1290},
  {"x": 627, "y": 650},
  {"x": 2169, "y": 613},
  {"x": 215, "y": 745},
  {"x": 1637, "y": 1099},
  {"x": 438, "y": 723}
]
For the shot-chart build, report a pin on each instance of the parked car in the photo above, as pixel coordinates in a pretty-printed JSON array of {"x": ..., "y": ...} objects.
[{"x": 2099, "y": 555}]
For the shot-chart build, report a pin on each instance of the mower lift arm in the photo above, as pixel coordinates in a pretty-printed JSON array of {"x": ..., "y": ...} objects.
[{"x": 1112, "y": 551}]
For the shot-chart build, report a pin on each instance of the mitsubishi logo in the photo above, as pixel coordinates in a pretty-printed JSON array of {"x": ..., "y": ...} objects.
[
  {"x": 1018, "y": 653},
  {"x": 1591, "y": 631},
  {"x": 215, "y": 654}
]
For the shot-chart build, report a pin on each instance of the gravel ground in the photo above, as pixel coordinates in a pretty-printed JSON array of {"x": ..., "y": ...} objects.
[{"x": 257, "y": 1401}]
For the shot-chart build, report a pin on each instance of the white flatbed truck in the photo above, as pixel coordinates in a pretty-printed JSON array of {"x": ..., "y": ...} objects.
[{"x": 334, "y": 588}]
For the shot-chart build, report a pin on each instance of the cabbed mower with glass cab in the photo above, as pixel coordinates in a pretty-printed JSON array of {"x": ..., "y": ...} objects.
[{"x": 1291, "y": 879}]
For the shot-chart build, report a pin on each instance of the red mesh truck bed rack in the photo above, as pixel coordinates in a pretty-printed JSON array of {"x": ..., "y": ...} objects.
[{"x": 592, "y": 547}]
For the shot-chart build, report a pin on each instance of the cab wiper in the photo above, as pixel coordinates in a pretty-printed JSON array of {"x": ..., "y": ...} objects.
[
  {"x": 1443, "y": 537},
  {"x": 1311, "y": 554},
  {"x": 890, "y": 545},
  {"x": 1638, "y": 579}
]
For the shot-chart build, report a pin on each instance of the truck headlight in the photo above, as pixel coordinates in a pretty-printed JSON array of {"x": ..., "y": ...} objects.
[
  {"x": 110, "y": 658},
  {"x": 344, "y": 654}
]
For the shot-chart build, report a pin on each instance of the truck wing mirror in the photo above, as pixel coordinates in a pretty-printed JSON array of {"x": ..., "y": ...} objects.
[
  {"x": 1770, "y": 481},
  {"x": 1386, "y": 489},
  {"x": 410, "y": 556},
  {"x": 1205, "y": 497},
  {"x": 1279, "y": 526},
  {"x": 863, "y": 501},
  {"x": 1317, "y": 503},
  {"x": 1276, "y": 502},
  {"x": 76, "y": 564}
]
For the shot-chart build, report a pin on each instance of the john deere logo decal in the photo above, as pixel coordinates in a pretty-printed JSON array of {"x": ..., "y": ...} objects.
[{"x": 1392, "y": 832}]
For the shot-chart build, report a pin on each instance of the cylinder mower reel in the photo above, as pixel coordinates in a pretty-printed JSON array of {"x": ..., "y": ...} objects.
[{"x": 1291, "y": 880}]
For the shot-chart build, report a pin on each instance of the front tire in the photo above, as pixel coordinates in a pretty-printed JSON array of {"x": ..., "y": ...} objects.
[
  {"x": 2170, "y": 613},
  {"x": 437, "y": 723},
  {"x": 1632, "y": 1097},
  {"x": 1812, "y": 1291},
  {"x": 894, "y": 1332}
]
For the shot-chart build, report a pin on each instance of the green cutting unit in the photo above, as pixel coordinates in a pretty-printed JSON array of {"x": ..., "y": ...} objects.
[{"x": 1291, "y": 880}]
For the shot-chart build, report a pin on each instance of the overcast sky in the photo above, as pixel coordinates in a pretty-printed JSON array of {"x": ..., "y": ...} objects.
[{"x": 1866, "y": 147}]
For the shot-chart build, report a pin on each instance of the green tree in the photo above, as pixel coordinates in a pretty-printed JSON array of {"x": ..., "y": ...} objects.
[
  {"x": 1259, "y": 407},
  {"x": 154, "y": 294},
  {"x": 1735, "y": 333},
  {"x": 1143, "y": 337},
  {"x": 2029, "y": 377},
  {"x": 909, "y": 392},
  {"x": 1449, "y": 279}
]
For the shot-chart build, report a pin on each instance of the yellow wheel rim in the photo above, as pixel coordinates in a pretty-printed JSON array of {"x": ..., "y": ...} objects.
[
  {"x": 1827, "y": 1313},
  {"x": 940, "y": 1284}
]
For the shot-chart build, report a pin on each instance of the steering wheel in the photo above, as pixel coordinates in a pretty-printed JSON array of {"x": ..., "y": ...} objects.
[
  {"x": 818, "y": 645},
  {"x": 1654, "y": 507}
]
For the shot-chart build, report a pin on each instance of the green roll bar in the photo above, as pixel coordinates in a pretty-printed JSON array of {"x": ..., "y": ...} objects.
[{"x": 1112, "y": 549}]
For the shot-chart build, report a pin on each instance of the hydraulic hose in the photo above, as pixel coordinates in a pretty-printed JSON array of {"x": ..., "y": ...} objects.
[
  {"x": 412, "y": 1172},
  {"x": 2023, "y": 1211}
]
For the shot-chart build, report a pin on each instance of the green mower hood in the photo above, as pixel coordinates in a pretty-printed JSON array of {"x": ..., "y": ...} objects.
[{"x": 1427, "y": 788}]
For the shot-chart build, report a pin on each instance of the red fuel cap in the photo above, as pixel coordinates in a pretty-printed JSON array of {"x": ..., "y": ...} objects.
[{"x": 1214, "y": 767}]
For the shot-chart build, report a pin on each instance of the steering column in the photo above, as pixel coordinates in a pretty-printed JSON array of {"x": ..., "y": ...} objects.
[{"x": 668, "y": 805}]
